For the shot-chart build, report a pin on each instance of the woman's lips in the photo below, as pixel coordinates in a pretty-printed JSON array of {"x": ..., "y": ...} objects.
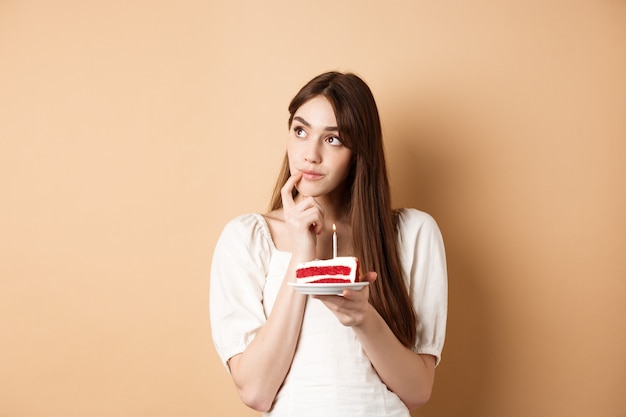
[{"x": 311, "y": 175}]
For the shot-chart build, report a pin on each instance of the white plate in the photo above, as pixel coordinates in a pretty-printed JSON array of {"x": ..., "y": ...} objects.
[{"x": 327, "y": 289}]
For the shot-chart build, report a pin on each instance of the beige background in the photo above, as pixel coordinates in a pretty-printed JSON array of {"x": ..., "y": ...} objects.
[{"x": 131, "y": 131}]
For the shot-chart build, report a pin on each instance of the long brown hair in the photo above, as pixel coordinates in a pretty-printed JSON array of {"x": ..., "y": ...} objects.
[{"x": 373, "y": 222}]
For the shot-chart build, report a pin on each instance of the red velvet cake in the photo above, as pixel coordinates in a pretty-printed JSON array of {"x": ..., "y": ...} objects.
[{"x": 342, "y": 269}]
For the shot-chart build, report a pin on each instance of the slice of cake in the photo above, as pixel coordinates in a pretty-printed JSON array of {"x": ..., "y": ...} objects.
[{"x": 343, "y": 269}]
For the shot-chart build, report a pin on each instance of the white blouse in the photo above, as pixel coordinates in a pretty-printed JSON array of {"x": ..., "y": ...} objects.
[{"x": 330, "y": 375}]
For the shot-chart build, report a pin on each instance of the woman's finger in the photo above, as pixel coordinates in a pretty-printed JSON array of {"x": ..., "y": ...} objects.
[
  {"x": 313, "y": 212},
  {"x": 286, "y": 191}
]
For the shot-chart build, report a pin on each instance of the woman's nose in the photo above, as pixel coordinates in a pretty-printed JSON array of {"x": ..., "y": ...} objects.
[{"x": 312, "y": 152}]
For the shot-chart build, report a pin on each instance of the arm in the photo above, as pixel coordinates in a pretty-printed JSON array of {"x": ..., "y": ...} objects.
[
  {"x": 406, "y": 373},
  {"x": 409, "y": 375},
  {"x": 259, "y": 371}
]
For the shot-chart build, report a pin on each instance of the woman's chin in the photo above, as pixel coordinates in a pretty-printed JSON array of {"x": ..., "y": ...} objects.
[{"x": 309, "y": 190}]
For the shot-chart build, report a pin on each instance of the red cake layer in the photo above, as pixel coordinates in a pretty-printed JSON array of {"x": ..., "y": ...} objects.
[
  {"x": 323, "y": 270},
  {"x": 331, "y": 281},
  {"x": 329, "y": 271}
]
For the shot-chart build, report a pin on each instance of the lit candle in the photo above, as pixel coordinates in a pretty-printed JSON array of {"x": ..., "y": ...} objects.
[{"x": 334, "y": 241}]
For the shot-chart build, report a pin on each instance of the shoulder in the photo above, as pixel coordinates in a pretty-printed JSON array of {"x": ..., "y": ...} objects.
[
  {"x": 274, "y": 219},
  {"x": 410, "y": 219},
  {"x": 415, "y": 227},
  {"x": 244, "y": 222},
  {"x": 249, "y": 228}
]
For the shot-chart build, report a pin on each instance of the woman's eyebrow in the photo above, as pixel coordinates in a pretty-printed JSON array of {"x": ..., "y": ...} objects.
[{"x": 307, "y": 124}]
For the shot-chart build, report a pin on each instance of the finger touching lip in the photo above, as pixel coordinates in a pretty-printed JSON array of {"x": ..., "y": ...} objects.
[
  {"x": 290, "y": 184},
  {"x": 296, "y": 176}
]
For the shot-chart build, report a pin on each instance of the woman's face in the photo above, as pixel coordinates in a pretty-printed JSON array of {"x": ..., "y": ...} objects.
[{"x": 315, "y": 148}]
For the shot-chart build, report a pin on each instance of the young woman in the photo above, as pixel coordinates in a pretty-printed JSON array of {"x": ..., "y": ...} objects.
[{"x": 367, "y": 352}]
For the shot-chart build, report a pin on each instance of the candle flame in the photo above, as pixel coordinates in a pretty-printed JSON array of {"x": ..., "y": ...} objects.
[{"x": 334, "y": 227}]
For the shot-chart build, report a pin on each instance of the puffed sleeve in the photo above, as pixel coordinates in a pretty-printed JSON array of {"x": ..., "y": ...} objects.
[
  {"x": 423, "y": 257},
  {"x": 238, "y": 272}
]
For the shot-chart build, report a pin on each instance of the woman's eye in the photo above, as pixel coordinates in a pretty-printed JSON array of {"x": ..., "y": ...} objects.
[
  {"x": 299, "y": 132},
  {"x": 334, "y": 140}
]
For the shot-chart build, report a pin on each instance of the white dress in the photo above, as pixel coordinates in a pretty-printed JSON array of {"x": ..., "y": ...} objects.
[{"x": 330, "y": 375}]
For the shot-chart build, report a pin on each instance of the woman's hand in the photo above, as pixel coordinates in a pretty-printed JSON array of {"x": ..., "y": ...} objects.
[
  {"x": 304, "y": 220},
  {"x": 352, "y": 306},
  {"x": 408, "y": 374}
]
